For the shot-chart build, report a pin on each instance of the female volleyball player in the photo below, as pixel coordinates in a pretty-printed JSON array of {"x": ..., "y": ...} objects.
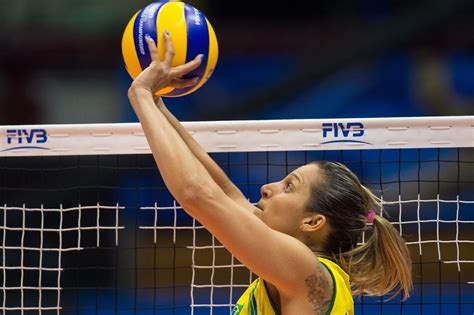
[{"x": 301, "y": 239}]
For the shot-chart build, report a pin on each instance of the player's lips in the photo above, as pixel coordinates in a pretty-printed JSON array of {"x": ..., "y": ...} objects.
[{"x": 259, "y": 205}]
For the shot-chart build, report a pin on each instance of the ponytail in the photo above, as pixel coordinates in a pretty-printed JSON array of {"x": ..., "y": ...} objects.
[{"x": 382, "y": 265}]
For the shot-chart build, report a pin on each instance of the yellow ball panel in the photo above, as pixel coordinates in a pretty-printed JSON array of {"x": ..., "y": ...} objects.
[
  {"x": 165, "y": 91},
  {"x": 171, "y": 18},
  {"x": 128, "y": 50}
]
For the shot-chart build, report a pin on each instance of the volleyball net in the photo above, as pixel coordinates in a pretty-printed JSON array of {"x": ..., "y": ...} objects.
[{"x": 87, "y": 225}]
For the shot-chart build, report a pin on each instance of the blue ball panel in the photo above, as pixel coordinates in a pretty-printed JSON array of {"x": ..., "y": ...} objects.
[
  {"x": 198, "y": 43},
  {"x": 145, "y": 24}
]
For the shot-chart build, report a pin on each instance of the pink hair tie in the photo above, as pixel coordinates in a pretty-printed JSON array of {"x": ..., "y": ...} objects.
[{"x": 371, "y": 216}]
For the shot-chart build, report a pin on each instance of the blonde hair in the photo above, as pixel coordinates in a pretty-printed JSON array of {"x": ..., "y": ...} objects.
[{"x": 382, "y": 265}]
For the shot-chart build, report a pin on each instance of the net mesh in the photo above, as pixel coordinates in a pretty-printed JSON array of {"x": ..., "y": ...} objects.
[{"x": 102, "y": 235}]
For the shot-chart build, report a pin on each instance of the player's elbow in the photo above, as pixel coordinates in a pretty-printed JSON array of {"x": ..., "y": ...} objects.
[
  {"x": 196, "y": 196},
  {"x": 135, "y": 94}
]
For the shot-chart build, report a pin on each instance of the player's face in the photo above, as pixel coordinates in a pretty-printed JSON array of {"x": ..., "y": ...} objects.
[{"x": 283, "y": 204}]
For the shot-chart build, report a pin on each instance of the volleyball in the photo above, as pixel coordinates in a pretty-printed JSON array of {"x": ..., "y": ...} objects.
[{"x": 191, "y": 35}]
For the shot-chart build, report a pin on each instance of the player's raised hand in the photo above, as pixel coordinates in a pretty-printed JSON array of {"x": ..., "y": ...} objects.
[{"x": 160, "y": 74}]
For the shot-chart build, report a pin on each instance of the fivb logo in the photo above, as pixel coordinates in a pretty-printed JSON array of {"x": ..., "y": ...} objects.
[
  {"x": 26, "y": 139},
  {"x": 343, "y": 132}
]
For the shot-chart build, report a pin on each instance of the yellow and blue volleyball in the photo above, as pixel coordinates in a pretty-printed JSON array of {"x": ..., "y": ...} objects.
[{"x": 191, "y": 35}]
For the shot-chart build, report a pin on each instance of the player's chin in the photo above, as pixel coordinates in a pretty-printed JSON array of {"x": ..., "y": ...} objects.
[{"x": 258, "y": 212}]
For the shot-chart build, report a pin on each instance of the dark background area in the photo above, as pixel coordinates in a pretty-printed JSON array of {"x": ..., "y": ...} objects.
[{"x": 60, "y": 61}]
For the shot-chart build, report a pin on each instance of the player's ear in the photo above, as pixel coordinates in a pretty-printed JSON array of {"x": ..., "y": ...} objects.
[{"x": 313, "y": 222}]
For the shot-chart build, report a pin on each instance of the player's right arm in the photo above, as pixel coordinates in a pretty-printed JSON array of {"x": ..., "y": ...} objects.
[{"x": 217, "y": 174}]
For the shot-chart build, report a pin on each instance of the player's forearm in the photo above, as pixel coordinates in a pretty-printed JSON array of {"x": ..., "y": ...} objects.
[
  {"x": 180, "y": 169},
  {"x": 211, "y": 166}
]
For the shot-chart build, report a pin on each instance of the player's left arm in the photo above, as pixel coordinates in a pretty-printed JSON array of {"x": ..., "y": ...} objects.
[{"x": 278, "y": 258}]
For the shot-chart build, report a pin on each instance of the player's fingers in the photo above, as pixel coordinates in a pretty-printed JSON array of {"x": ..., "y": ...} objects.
[
  {"x": 187, "y": 67},
  {"x": 152, "y": 48},
  {"x": 183, "y": 83},
  {"x": 156, "y": 98},
  {"x": 169, "y": 49}
]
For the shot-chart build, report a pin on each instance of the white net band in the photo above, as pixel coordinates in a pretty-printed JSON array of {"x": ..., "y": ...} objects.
[{"x": 245, "y": 136}]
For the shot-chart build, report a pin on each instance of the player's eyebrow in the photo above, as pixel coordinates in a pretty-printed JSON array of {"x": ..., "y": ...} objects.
[{"x": 298, "y": 177}]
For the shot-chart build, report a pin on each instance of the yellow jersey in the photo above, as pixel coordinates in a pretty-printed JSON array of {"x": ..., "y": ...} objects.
[{"x": 256, "y": 301}]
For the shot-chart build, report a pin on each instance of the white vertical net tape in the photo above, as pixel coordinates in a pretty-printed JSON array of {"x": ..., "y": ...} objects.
[{"x": 38, "y": 234}]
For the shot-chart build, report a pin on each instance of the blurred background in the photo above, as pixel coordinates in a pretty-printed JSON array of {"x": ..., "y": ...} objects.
[{"x": 60, "y": 60}]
